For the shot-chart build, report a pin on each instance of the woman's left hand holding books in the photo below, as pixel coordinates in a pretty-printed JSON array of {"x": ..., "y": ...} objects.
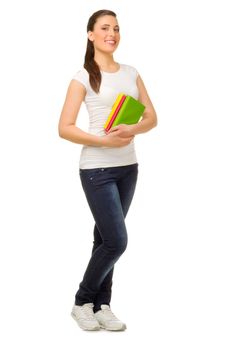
[{"x": 122, "y": 130}]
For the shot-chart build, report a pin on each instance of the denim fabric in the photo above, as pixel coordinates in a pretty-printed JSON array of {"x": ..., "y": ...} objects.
[{"x": 109, "y": 192}]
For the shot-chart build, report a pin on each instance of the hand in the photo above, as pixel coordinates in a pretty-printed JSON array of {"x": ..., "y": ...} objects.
[
  {"x": 112, "y": 139},
  {"x": 122, "y": 130}
]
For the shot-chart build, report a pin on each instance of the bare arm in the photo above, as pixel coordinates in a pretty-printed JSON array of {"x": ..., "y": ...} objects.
[
  {"x": 67, "y": 124},
  {"x": 66, "y": 127},
  {"x": 149, "y": 120}
]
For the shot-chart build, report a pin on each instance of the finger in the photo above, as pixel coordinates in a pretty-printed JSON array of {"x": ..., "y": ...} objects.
[{"x": 115, "y": 128}]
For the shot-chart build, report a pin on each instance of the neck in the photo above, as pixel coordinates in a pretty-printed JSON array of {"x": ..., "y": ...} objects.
[{"x": 105, "y": 61}]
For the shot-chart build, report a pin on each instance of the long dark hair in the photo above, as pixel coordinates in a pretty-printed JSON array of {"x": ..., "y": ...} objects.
[{"x": 89, "y": 63}]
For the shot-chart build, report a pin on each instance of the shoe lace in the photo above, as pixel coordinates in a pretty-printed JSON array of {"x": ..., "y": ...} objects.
[{"x": 110, "y": 315}]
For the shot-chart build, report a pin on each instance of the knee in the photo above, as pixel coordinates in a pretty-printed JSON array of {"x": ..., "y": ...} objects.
[
  {"x": 121, "y": 246},
  {"x": 117, "y": 246}
]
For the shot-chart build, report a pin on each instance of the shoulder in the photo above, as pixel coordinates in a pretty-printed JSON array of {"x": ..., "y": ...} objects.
[
  {"x": 129, "y": 69},
  {"x": 82, "y": 72},
  {"x": 82, "y": 76}
]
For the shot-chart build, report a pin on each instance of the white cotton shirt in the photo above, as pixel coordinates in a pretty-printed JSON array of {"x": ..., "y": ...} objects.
[{"x": 99, "y": 106}]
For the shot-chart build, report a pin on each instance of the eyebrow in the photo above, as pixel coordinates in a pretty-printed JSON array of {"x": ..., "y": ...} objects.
[{"x": 108, "y": 25}]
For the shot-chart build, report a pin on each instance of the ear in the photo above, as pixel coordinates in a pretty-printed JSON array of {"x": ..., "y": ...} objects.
[{"x": 90, "y": 36}]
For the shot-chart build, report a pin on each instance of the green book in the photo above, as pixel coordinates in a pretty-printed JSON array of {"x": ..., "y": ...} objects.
[{"x": 130, "y": 112}]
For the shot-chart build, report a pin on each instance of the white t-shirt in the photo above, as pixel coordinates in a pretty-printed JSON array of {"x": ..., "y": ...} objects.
[{"x": 98, "y": 107}]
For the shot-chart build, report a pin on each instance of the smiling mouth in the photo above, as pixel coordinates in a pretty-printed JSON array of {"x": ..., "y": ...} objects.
[{"x": 112, "y": 42}]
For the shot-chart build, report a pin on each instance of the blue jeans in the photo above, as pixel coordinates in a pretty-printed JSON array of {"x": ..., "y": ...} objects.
[{"x": 109, "y": 192}]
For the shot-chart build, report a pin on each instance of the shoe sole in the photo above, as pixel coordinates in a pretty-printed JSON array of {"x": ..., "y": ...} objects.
[
  {"x": 114, "y": 330},
  {"x": 85, "y": 328}
]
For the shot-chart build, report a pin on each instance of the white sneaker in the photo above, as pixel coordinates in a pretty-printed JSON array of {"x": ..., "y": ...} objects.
[
  {"x": 84, "y": 316},
  {"x": 108, "y": 320}
]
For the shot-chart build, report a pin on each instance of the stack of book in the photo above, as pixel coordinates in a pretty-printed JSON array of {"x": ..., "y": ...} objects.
[{"x": 126, "y": 110}]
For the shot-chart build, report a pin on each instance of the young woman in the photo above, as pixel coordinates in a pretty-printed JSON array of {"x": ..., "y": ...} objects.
[{"x": 108, "y": 164}]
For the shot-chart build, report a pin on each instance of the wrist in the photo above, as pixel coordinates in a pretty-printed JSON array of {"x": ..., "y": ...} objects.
[
  {"x": 101, "y": 141},
  {"x": 133, "y": 129}
]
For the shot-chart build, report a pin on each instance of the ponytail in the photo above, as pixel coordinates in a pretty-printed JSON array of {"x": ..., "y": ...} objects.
[{"x": 91, "y": 66}]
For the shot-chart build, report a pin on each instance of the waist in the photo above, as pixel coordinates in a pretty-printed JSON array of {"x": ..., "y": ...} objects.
[{"x": 101, "y": 157}]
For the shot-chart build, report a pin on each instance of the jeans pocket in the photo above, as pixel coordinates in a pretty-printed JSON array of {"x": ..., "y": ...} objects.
[{"x": 91, "y": 174}]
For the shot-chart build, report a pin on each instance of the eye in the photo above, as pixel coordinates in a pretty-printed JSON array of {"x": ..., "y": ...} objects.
[{"x": 117, "y": 30}]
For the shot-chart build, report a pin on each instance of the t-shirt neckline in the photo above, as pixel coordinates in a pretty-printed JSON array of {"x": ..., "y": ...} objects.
[{"x": 117, "y": 71}]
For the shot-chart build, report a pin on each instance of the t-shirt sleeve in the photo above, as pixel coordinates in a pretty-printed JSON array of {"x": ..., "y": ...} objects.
[
  {"x": 133, "y": 71},
  {"x": 83, "y": 77},
  {"x": 136, "y": 73}
]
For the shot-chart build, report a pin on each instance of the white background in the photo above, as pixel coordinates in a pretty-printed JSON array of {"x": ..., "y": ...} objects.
[{"x": 170, "y": 285}]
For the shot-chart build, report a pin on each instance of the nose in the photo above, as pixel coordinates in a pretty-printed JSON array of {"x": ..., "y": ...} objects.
[{"x": 112, "y": 32}]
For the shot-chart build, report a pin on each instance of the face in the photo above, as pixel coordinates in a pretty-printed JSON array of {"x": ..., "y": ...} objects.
[{"x": 105, "y": 35}]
